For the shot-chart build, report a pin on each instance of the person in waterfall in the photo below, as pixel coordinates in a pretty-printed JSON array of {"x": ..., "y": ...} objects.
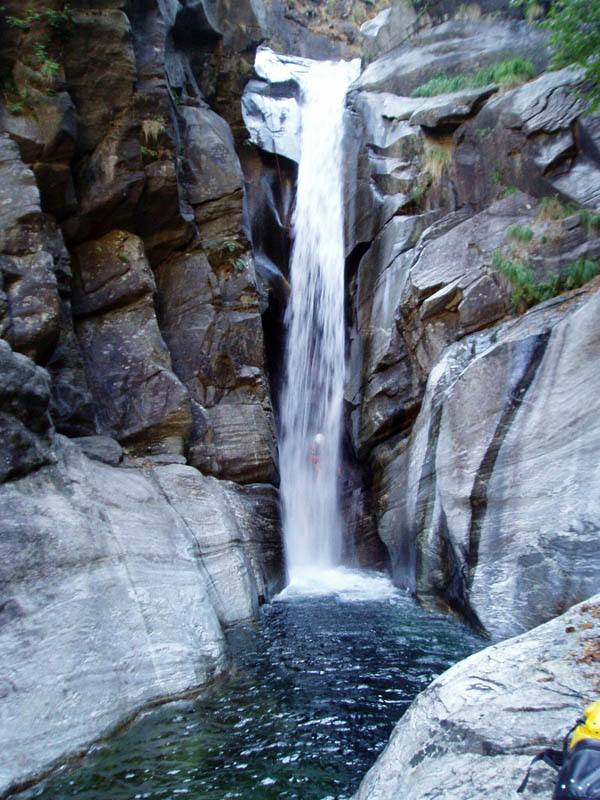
[{"x": 315, "y": 454}]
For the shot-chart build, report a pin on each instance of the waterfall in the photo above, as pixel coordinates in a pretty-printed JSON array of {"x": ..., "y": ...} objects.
[{"x": 311, "y": 408}]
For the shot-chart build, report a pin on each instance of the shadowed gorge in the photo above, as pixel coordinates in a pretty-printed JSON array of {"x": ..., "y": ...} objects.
[{"x": 296, "y": 289}]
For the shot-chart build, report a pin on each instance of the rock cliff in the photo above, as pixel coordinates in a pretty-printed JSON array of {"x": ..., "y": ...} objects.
[
  {"x": 129, "y": 323},
  {"x": 480, "y": 180},
  {"x": 141, "y": 333}
]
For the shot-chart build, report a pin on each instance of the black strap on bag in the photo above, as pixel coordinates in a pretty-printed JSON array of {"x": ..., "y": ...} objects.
[
  {"x": 579, "y": 776},
  {"x": 554, "y": 758}
]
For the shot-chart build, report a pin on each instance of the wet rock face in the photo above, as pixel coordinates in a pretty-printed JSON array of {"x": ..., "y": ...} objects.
[
  {"x": 168, "y": 555},
  {"x": 215, "y": 336},
  {"x": 530, "y": 138},
  {"x": 24, "y": 420},
  {"x": 474, "y": 731},
  {"x": 456, "y": 46},
  {"x": 138, "y": 398},
  {"x": 154, "y": 170},
  {"x": 481, "y": 508},
  {"x": 130, "y": 321},
  {"x": 435, "y": 204}
]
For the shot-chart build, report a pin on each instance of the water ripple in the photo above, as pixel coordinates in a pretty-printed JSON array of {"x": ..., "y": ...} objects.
[{"x": 318, "y": 684}]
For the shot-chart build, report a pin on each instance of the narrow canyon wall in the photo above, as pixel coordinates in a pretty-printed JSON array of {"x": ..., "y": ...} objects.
[
  {"x": 475, "y": 457},
  {"x": 139, "y": 519},
  {"x": 139, "y": 393},
  {"x": 477, "y": 424}
]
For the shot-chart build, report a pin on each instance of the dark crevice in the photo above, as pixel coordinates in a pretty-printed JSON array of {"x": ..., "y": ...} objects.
[{"x": 479, "y": 498}]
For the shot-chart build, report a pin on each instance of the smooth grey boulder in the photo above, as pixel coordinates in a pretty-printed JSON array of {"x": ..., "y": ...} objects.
[
  {"x": 451, "y": 109},
  {"x": 496, "y": 505},
  {"x": 473, "y": 732},
  {"x": 108, "y": 578},
  {"x": 104, "y": 607},
  {"x": 457, "y": 46},
  {"x": 240, "y": 552}
]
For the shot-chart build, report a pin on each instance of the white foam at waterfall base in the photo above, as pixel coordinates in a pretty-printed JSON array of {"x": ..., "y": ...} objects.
[
  {"x": 347, "y": 585},
  {"x": 312, "y": 397}
]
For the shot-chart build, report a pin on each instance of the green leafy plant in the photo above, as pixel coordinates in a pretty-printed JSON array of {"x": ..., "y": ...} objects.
[
  {"x": 60, "y": 20},
  {"x": 149, "y": 152},
  {"x": 417, "y": 194},
  {"x": 521, "y": 276},
  {"x": 522, "y": 233},
  {"x": 591, "y": 219},
  {"x": 48, "y": 68},
  {"x": 239, "y": 264},
  {"x": 123, "y": 257},
  {"x": 580, "y": 272},
  {"x": 527, "y": 290}
]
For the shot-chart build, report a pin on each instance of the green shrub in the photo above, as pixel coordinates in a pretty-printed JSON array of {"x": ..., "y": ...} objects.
[
  {"x": 527, "y": 290},
  {"x": 521, "y": 276},
  {"x": 548, "y": 288},
  {"x": 591, "y": 219},
  {"x": 580, "y": 272},
  {"x": 509, "y": 73},
  {"x": 441, "y": 84},
  {"x": 522, "y": 233},
  {"x": 551, "y": 208},
  {"x": 417, "y": 194},
  {"x": 512, "y": 72},
  {"x": 574, "y": 39}
]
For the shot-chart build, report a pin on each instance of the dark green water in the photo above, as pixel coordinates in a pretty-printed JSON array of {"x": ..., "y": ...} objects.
[{"x": 319, "y": 683}]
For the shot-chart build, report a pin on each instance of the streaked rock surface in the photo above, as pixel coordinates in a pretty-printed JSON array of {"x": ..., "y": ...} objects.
[
  {"x": 494, "y": 498},
  {"x": 116, "y": 584}
]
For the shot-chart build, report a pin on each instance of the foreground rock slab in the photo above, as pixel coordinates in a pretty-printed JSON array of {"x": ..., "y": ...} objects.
[
  {"x": 474, "y": 730},
  {"x": 114, "y": 587}
]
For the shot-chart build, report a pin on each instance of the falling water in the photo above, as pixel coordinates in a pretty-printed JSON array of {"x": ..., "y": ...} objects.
[{"x": 311, "y": 408}]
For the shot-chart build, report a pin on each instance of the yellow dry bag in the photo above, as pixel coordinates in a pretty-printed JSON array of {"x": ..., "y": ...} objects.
[{"x": 590, "y": 727}]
